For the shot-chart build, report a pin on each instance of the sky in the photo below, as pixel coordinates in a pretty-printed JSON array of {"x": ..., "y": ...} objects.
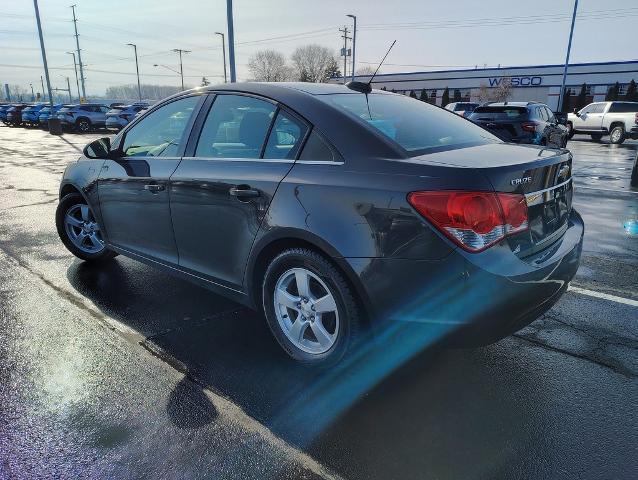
[{"x": 431, "y": 35}]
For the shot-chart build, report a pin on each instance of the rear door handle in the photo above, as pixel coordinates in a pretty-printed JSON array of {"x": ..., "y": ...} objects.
[
  {"x": 154, "y": 187},
  {"x": 244, "y": 192}
]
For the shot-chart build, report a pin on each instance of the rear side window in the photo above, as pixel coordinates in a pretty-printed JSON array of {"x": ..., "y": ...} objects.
[
  {"x": 413, "y": 125},
  {"x": 285, "y": 137},
  {"x": 623, "y": 107},
  {"x": 317, "y": 149},
  {"x": 236, "y": 127}
]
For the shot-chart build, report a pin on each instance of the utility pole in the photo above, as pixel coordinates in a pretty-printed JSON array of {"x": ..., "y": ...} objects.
[
  {"x": 42, "y": 82},
  {"x": 32, "y": 93},
  {"x": 44, "y": 57},
  {"x": 137, "y": 69},
  {"x": 345, "y": 50},
  {"x": 569, "y": 47},
  {"x": 224, "y": 52},
  {"x": 77, "y": 82},
  {"x": 68, "y": 86},
  {"x": 354, "y": 43},
  {"x": 231, "y": 40},
  {"x": 181, "y": 67},
  {"x": 77, "y": 43}
]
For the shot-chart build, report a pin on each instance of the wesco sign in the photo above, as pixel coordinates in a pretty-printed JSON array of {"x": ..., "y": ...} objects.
[{"x": 517, "y": 81}]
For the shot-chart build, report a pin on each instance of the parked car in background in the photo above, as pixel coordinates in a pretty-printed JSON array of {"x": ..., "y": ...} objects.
[
  {"x": 461, "y": 108},
  {"x": 84, "y": 117},
  {"x": 3, "y": 111},
  {"x": 119, "y": 116},
  {"x": 45, "y": 113},
  {"x": 522, "y": 122},
  {"x": 332, "y": 211},
  {"x": 616, "y": 119},
  {"x": 14, "y": 114},
  {"x": 31, "y": 114}
]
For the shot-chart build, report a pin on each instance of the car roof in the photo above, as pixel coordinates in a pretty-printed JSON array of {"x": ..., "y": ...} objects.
[{"x": 511, "y": 104}]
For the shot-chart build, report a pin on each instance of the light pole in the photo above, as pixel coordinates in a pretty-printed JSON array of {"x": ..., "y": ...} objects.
[
  {"x": 231, "y": 40},
  {"x": 354, "y": 42},
  {"x": 42, "y": 82},
  {"x": 137, "y": 69},
  {"x": 224, "y": 53},
  {"x": 569, "y": 47},
  {"x": 32, "y": 93},
  {"x": 77, "y": 43},
  {"x": 181, "y": 67},
  {"x": 54, "y": 128},
  {"x": 75, "y": 67}
]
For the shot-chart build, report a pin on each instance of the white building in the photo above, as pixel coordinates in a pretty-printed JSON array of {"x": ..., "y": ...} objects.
[{"x": 530, "y": 83}]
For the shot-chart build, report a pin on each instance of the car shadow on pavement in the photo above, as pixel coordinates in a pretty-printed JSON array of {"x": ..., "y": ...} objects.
[{"x": 361, "y": 419}]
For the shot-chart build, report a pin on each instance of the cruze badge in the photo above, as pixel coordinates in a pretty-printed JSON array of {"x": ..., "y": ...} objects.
[{"x": 521, "y": 181}]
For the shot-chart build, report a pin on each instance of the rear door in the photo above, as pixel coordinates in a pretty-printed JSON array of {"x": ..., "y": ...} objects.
[
  {"x": 133, "y": 188},
  {"x": 221, "y": 190}
]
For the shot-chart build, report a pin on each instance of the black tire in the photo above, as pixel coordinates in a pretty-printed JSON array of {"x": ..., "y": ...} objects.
[
  {"x": 67, "y": 202},
  {"x": 596, "y": 137},
  {"x": 617, "y": 135},
  {"x": 83, "y": 125},
  {"x": 349, "y": 316},
  {"x": 570, "y": 130},
  {"x": 634, "y": 173}
]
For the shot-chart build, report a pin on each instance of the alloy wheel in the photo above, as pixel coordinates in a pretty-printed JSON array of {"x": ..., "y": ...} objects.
[
  {"x": 82, "y": 229},
  {"x": 615, "y": 135},
  {"x": 306, "y": 311}
]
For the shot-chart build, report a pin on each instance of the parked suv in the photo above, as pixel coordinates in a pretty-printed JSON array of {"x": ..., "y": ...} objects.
[
  {"x": 334, "y": 212},
  {"x": 119, "y": 116},
  {"x": 3, "y": 111},
  {"x": 45, "y": 113},
  {"x": 599, "y": 119},
  {"x": 14, "y": 114},
  {"x": 461, "y": 108},
  {"x": 31, "y": 113},
  {"x": 522, "y": 122},
  {"x": 83, "y": 117}
]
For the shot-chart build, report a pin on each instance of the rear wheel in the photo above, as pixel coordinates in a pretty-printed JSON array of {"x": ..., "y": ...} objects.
[
  {"x": 617, "y": 135},
  {"x": 570, "y": 130},
  {"x": 83, "y": 125},
  {"x": 634, "y": 173},
  {"x": 309, "y": 307},
  {"x": 79, "y": 231},
  {"x": 596, "y": 137}
]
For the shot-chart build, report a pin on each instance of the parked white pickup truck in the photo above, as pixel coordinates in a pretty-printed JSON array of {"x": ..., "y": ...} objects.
[{"x": 616, "y": 119}]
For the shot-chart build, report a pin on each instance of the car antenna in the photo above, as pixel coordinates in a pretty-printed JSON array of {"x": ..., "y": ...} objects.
[{"x": 364, "y": 87}]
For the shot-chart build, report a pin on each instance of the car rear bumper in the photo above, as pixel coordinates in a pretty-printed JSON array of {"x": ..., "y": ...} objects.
[
  {"x": 470, "y": 298},
  {"x": 115, "y": 124}
]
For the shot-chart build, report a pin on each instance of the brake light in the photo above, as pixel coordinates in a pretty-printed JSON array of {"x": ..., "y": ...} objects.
[
  {"x": 473, "y": 220},
  {"x": 529, "y": 126},
  {"x": 124, "y": 116}
]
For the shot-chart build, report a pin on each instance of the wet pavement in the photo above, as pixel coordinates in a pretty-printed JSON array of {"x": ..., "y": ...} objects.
[{"x": 125, "y": 372}]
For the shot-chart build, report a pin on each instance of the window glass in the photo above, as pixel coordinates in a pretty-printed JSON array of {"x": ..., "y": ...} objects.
[
  {"x": 159, "y": 134},
  {"x": 236, "y": 127},
  {"x": 623, "y": 107},
  {"x": 415, "y": 126},
  {"x": 316, "y": 149},
  {"x": 549, "y": 114},
  {"x": 285, "y": 137},
  {"x": 500, "y": 112},
  {"x": 588, "y": 109}
]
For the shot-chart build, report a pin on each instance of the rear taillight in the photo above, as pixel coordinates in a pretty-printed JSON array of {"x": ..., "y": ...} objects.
[
  {"x": 123, "y": 116},
  {"x": 473, "y": 220},
  {"x": 529, "y": 126}
]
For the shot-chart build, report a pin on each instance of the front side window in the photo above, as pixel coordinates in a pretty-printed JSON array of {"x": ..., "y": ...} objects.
[
  {"x": 285, "y": 137},
  {"x": 413, "y": 125},
  {"x": 159, "y": 133},
  {"x": 236, "y": 127}
]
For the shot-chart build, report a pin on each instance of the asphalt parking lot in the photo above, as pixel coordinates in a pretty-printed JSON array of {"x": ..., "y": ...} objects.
[{"x": 125, "y": 372}]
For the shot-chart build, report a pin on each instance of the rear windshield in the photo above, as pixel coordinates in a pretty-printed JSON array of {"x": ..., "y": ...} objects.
[
  {"x": 464, "y": 106},
  {"x": 414, "y": 125},
  {"x": 498, "y": 113}
]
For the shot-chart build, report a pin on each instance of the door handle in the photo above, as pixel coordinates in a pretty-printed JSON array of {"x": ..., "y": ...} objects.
[
  {"x": 244, "y": 192},
  {"x": 154, "y": 187}
]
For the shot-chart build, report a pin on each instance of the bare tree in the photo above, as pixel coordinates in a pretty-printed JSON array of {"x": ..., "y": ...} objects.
[
  {"x": 149, "y": 92},
  {"x": 314, "y": 63},
  {"x": 19, "y": 93},
  {"x": 268, "y": 66},
  {"x": 503, "y": 91},
  {"x": 367, "y": 70},
  {"x": 483, "y": 93}
]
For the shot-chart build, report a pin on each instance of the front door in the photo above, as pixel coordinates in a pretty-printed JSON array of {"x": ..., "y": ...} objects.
[
  {"x": 221, "y": 192},
  {"x": 133, "y": 188}
]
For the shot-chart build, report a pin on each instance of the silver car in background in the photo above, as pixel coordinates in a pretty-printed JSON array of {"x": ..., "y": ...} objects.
[
  {"x": 119, "y": 116},
  {"x": 83, "y": 118}
]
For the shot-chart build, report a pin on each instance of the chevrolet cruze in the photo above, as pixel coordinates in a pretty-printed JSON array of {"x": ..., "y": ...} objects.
[{"x": 335, "y": 210}]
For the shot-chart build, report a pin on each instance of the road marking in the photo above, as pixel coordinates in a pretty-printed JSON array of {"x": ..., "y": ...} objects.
[
  {"x": 604, "y": 296},
  {"x": 581, "y": 187}
]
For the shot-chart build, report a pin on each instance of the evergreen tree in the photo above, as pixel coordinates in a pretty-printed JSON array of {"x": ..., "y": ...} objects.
[
  {"x": 457, "y": 95},
  {"x": 632, "y": 93},
  {"x": 205, "y": 82},
  {"x": 383, "y": 88},
  {"x": 581, "y": 100},
  {"x": 424, "y": 95},
  {"x": 394, "y": 91},
  {"x": 613, "y": 93},
  {"x": 412, "y": 94},
  {"x": 567, "y": 101},
  {"x": 446, "y": 97}
]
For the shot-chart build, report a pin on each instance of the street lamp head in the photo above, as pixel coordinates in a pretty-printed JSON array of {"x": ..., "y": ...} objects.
[
  {"x": 131, "y": 44},
  {"x": 351, "y": 16},
  {"x": 219, "y": 33},
  {"x": 155, "y": 65}
]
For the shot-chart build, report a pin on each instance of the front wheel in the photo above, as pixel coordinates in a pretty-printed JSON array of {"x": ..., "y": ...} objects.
[
  {"x": 596, "y": 137},
  {"x": 83, "y": 125},
  {"x": 79, "y": 231},
  {"x": 570, "y": 130},
  {"x": 617, "y": 135},
  {"x": 309, "y": 307}
]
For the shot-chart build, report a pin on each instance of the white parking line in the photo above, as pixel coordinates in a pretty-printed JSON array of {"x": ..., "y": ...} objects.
[
  {"x": 582, "y": 187},
  {"x": 604, "y": 296}
]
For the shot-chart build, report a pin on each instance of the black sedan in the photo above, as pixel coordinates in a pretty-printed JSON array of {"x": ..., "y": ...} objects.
[
  {"x": 523, "y": 122},
  {"x": 333, "y": 211}
]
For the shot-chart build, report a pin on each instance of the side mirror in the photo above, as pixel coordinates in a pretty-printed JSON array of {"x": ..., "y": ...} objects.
[
  {"x": 100, "y": 148},
  {"x": 576, "y": 112}
]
